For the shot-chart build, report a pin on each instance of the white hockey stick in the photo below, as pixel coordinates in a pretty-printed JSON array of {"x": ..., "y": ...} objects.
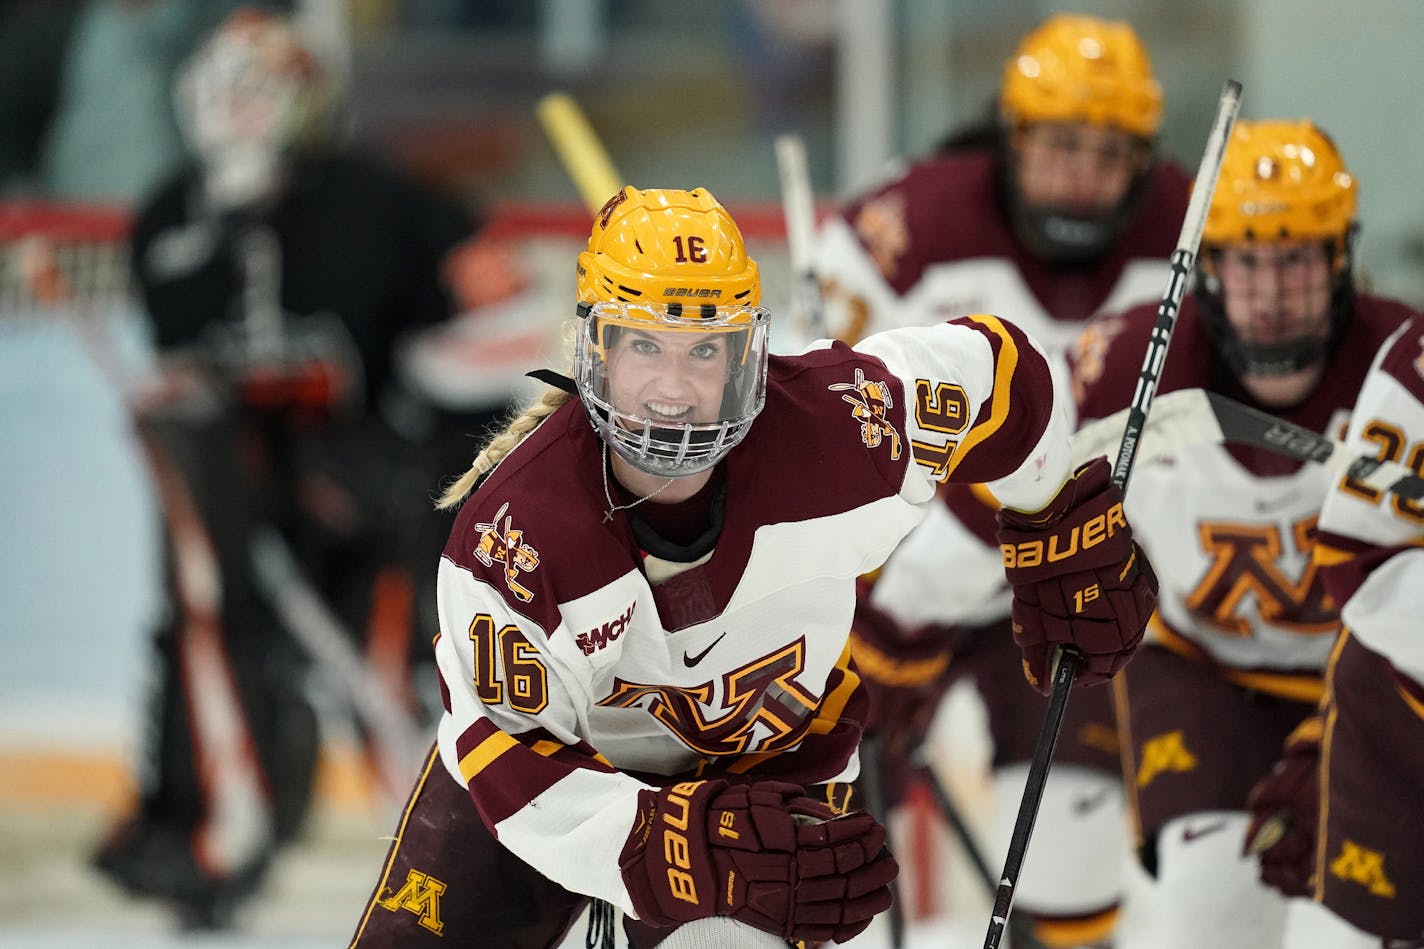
[
  {"x": 1189, "y": 418},
  {"x": 799, "y": 209},
  {"x": 400, "y": 743},
  {"x": 1067, "y": 659}
]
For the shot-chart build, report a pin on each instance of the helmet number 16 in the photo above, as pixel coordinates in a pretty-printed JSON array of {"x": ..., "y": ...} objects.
[{"x": 692, "y": 248}]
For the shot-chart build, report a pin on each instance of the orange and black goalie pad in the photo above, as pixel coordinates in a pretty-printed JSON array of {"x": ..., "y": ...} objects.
[{"x": 1078, "y": 578}]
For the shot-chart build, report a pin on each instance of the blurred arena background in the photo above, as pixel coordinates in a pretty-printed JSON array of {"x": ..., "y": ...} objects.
[{"x": 683, "y": 95}]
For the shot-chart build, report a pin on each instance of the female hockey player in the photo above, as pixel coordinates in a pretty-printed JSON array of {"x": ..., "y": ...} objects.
[
  {"x": 1238, "y": 646},
  {"x": 1065, "y": 212},
  {"x": 1358, "y": 763},
  {"x": 646, "y": 596}
]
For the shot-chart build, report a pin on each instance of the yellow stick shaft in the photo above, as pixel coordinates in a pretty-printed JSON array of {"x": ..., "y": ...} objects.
[{"x": 579, "y": 149}]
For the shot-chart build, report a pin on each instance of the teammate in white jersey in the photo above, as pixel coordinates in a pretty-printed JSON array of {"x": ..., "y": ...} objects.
[
  {"x": 1351, "y": 782},
  {"x": 1066, "y": 214},
  {"x": 645, "y": 600},
  {"x": 1238, "y": 645},
  {"x": 1066, "y": 211}
]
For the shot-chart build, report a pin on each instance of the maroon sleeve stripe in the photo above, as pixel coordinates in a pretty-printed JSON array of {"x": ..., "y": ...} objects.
[
  {"x": 1345, "y": 563},
  {"x": 1016, "y": 414},
  {"x": 975, "y": 507},
  {"x": 505, "y": 773}
]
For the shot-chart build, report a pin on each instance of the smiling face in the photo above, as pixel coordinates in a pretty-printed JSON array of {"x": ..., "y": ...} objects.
[
  {"x": 669, "y": 377},
  {"x": 672, "y": 389}
]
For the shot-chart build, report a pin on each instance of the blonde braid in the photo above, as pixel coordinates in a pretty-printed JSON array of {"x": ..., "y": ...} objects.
[{"x": 501, "y": 445}]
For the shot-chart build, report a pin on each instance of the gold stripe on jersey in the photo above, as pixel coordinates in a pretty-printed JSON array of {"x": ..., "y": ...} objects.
[
  {"x": 1327, "y": 745},
  {"x": 1324, "y": 555},
  {"x": 898, "y": 673},
  {"x": 1007, "y": 362},
  {"x": 1297, "y": 686},
  {"x": 828, "y": 715},
  {"x": 1083, "y": 931},
  {"x": 984, "y": 496},
  {"x": 1415, "y": 706},
  {"x": 484, "y": 754},
  {"x": 1310, "y": 729},
  {"x": 548, "y": 748}
]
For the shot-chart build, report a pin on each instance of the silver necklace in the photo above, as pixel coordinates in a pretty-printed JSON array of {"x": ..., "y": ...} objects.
[{"x": 608, "y": 493}]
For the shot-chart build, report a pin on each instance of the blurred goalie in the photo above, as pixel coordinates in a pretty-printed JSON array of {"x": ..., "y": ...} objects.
[{"x": 278, "y": 271}]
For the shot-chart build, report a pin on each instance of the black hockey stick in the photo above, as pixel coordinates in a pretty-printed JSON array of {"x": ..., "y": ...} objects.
[
  {"x": 1021, "y": 933},
  {"x": 1188, "y": 418},
  {"x": 1067, "y": 660}
]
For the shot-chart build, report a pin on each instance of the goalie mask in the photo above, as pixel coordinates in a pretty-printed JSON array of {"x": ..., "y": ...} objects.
[
  {"x": 671, "y": 350},
  {"x": 1073, "y": 78},
  {"x": 1285, "y": 201},
  {"x": 252, "y": 96}
]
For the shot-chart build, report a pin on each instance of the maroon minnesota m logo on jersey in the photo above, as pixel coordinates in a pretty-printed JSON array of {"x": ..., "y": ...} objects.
[
  {"x": 764, "y": 692},
  {"x": 503, "y": 545},
  {"x": 1246, "y": 561},
  {"x": 870, "y": 406}
]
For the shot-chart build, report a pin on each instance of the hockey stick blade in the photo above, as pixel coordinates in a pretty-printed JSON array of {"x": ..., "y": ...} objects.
[
  {"x": 1189, "y": 418},
  {"x": 1243, "y": 425}
]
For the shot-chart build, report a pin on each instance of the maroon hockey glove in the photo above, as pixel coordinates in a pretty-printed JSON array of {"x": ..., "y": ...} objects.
[
  {"x": 904, "y": 673},
  {"x": 1284, "y": 806},
  {"x": 763, "y": 854},
  {"x": 1078, "y": 578}
]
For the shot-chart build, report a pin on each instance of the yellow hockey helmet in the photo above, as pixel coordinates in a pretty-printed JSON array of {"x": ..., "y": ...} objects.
[
  {"x": 1280, "y": 180},
  {"x": 670, "y": 270},
  {"x": 1082, "y": 69},
  {"x": 666, "y": 246}
]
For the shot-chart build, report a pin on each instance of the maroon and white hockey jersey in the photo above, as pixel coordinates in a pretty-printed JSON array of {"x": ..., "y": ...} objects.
[
  {"x": 934, "y": 244},
  {"x": 572, "y": 676},
  {"x": 1372, "y": 543},
  {"x": 1231, "y": 530}
]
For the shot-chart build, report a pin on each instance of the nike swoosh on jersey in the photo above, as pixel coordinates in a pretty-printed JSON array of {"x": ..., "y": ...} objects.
[{"x": 691, "y": 661}]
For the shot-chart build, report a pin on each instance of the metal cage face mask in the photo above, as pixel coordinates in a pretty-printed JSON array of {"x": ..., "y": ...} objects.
[{"x": 671, "y": 388}]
